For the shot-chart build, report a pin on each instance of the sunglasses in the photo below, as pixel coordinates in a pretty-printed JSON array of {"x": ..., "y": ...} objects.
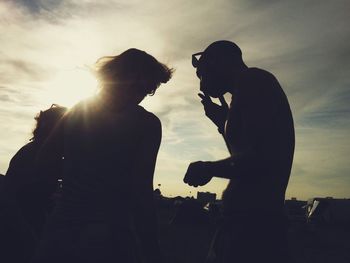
[{"x": 195, "y": 59}]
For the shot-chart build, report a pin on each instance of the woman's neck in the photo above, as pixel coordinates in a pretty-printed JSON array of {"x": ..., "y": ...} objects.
[{"x": 114, "y": 102}]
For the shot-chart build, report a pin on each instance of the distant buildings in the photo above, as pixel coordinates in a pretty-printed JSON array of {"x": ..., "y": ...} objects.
[
  {"x": 295, "y": 209},
  {"x": 206, "y": 197},
  {"x": 328, "y": 210}
]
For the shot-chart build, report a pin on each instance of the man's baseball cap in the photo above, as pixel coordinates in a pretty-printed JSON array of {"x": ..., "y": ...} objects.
[{"x": 216, "y": 52}]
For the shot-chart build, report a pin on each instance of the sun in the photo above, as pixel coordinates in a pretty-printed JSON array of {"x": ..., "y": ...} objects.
[{"x": 68, "y": 87}]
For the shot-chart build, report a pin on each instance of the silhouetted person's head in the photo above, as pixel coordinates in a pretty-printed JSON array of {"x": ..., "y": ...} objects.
[
  {"x": 218, "y": 66},
  {"x": 46, "y": 121},
  {"x": 131, "y": 75}
]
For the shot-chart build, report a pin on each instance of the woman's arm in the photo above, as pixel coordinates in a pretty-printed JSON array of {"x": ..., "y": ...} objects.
[{"x": 144, "y": 213}]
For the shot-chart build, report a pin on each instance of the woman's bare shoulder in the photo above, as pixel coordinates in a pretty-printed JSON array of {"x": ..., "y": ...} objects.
[{"x": 149, "y": 119}]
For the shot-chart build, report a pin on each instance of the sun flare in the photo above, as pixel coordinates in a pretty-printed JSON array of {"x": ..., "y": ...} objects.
[{"x": 71, "y": 86}]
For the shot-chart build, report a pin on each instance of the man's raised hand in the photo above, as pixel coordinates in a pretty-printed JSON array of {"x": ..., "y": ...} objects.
[{"x": 216, "y": 113}]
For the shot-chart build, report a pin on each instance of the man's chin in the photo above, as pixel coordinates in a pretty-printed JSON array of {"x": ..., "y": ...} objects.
[{"x": 214, "y": 95}]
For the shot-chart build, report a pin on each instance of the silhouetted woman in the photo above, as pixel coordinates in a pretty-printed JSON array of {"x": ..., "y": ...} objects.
[
  {"x": 26, "y": 194},
  {"x": 106, "y": 213}
]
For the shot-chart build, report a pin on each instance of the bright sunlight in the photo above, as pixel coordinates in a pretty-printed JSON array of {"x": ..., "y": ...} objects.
[{"x": 70, "y": 86}]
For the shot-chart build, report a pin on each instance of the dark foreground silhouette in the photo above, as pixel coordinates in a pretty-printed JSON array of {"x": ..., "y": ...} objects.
[
  {"x": 103, "y": 151},
  {"x": 106, "y": 211},
  {"x": 26, "y": 195},
  {"x": 259, "y": 132}
]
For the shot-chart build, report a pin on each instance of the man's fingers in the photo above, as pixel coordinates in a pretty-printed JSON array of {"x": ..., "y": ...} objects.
[
  {"x": 191, "y": 183},
  {"x": 201, "y": 95},
  {"x": 223, "y": 102},
  {"x": 185, "y": 179},
  {"x": 188, "y": 177},
  {"x": 205, "y": 98},
  {"x": 191, "y": 177}
]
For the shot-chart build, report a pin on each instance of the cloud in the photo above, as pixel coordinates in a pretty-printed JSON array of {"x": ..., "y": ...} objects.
[
  {"x": 14, "y": 70},
  {"x": 37, "y": 6}
]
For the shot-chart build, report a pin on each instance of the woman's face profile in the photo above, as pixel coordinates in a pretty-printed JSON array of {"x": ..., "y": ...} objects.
[{"x": 135, "y": 94}]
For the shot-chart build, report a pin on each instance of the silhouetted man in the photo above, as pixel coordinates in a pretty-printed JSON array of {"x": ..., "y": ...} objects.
[{"x": 259, "y": 132}]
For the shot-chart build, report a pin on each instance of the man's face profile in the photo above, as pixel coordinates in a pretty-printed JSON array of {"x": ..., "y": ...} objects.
[
  {"x": 211, "y": 74},
  {"x": 211, "y": 83}
]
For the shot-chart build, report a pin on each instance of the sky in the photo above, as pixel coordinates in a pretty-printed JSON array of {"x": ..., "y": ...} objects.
[{"x": 48, "y": 47}]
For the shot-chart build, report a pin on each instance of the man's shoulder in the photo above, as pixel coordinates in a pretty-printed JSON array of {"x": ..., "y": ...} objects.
[
  {"x": 259, "y": 81},
  {"x": 258, "y": 74},
  {"x": 259, "y": 86}
]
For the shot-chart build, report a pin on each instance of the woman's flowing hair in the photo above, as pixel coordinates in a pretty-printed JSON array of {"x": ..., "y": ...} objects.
[{"x": 133, "y": 69}]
